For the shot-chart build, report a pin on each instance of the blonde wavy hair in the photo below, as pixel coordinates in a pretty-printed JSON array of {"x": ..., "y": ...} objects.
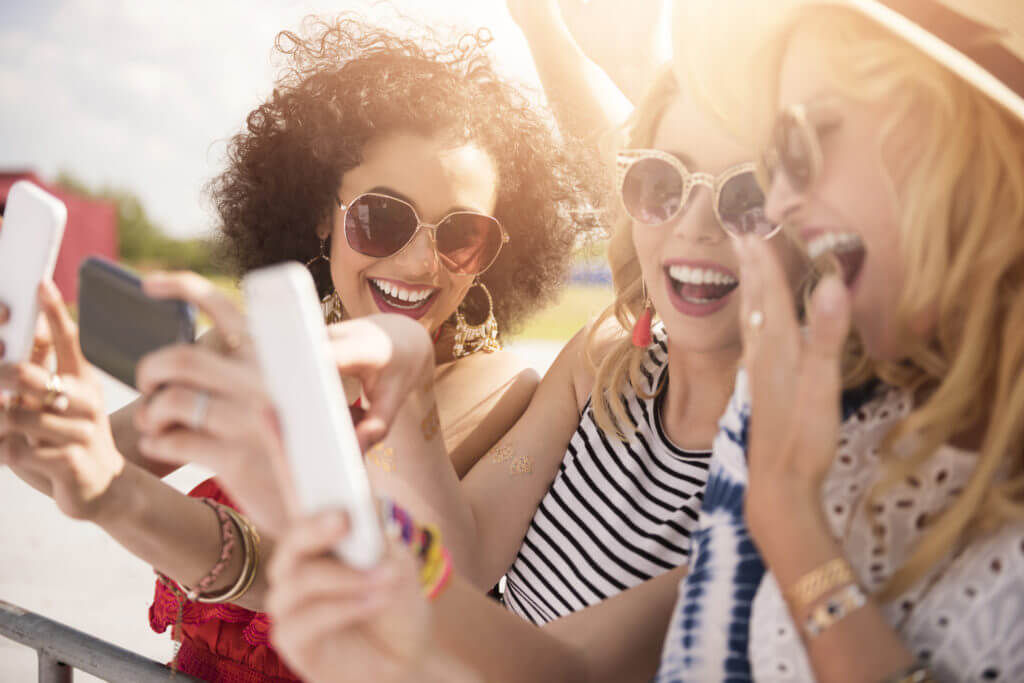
[
  {"x": 961, "y": 203},
  {"x": 614, "y": 367}
]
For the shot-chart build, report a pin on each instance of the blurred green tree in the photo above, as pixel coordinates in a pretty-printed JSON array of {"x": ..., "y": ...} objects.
[{"x": 141, "y": 241}]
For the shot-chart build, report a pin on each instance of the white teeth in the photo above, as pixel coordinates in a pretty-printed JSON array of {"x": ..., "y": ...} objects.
[
  {"x": 700, "y": 276},
  {"x": 396, "y": 292},
  {"x": 832, "y": 241}
]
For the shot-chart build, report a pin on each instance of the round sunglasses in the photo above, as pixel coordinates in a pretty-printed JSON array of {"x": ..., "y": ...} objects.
[
  {"x": 654, "y": 186},
  {"x": 378, "y": 225},
  {"x": 795, "y": 146}
]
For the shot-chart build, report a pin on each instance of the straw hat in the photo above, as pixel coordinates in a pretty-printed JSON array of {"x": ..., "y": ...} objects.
[{"x": 982, "y": 41}]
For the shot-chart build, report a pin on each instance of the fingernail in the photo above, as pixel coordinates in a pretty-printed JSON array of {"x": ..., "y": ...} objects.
[{"x": 831, "y": 295}]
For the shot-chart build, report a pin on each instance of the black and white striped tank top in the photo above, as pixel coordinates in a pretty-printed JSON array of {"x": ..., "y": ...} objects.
[{"x": 617, "y": 513}]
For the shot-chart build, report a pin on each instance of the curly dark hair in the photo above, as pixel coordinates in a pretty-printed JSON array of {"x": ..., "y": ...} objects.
[{"x": 346, "y": 82}]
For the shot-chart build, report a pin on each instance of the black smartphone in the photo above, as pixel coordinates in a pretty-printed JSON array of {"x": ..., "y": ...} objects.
[{"x": 118, "y": 323}]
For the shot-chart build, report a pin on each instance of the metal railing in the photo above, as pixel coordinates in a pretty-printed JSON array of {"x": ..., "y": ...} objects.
[{"x": 62, "y": 649}]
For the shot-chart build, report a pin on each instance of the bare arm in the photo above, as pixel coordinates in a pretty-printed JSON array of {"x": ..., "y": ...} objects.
[{"x": 586, "y": 101}]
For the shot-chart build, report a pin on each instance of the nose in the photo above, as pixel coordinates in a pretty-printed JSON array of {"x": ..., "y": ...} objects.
[
  {"x": 697, "y": 222},
  {"x": 782, "y": 200},
  {"x": 420, "y": 255}
]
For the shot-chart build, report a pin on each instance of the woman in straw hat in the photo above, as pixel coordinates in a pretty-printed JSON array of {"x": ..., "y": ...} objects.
[{"x": 887, "y": 544}]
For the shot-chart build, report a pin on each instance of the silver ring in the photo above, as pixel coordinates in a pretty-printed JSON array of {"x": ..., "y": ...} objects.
[
  {"x": 56, "y": 399},
  {"x": 756, "y": 320},
  {"x": 200, "y": 408}
]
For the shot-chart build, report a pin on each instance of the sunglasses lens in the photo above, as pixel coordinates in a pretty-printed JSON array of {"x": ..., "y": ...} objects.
[
  {"x": 379, "y": 226},
  {"x": 468, "y": 243},
  {"x": 652, "y": 191},
  {"x": 794, "y": 152},
  {"x": 741, "y": 206}
]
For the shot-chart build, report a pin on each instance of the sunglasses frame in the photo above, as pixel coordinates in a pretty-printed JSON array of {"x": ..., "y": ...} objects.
[
  {"x": 806, "y": 121},
  {"x": 343, "y": 207},
  {"x": 626, "y": 159}
]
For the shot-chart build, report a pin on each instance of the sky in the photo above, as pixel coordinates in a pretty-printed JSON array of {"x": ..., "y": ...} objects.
[{"x": 143, "y": 95}]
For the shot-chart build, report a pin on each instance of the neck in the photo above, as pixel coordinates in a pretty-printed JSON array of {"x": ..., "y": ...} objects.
[{"x": 698, "y": 390}]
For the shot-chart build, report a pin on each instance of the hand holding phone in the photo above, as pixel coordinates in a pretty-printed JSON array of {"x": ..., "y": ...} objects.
[
  {"x": 302, "y": 380},
  {"x": 119, "y": 323},
  {"x": 30, "y": 238}
]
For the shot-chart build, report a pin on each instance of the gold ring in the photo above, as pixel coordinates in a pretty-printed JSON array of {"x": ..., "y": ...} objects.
[
  {"x": 756, "y": 320},
  {"x": 56, "y": 398}
]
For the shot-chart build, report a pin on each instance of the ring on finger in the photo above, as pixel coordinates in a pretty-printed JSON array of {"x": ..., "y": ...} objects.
[
  {"x": 200, "y": 409},
  {"x": 56, "y": 398},
  {"x": 756, "y": 320}
]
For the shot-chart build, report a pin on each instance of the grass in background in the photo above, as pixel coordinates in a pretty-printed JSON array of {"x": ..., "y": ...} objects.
[{"x": 575, "y": 307}]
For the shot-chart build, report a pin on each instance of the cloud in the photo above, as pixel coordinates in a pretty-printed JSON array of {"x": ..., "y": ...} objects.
[{"x": 143, "y": 95}]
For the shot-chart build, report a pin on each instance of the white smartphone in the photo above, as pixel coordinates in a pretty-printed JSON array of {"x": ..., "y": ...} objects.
[
  {"x": 302, "y": 379},
  {"x": 30, "y": 236}
]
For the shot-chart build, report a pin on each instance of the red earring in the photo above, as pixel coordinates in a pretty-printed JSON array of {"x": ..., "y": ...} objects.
[{"x": 642, "y": 328}]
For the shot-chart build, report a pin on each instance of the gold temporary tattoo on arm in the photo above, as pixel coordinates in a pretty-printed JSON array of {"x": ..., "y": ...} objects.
[
  {"x": 517, "y": 464},
  {"x": 383, "y": 457},
  {"x": 501, "y": 453},
  {"x": 431, "y": 424},
  {"x": 521, "y": 465}
]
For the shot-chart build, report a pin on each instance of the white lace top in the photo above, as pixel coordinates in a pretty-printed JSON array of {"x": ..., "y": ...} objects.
[{"x": 965, "y": 620}]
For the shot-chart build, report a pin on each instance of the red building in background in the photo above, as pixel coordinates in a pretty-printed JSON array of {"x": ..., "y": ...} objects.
[{"x": 91, "y": 229}]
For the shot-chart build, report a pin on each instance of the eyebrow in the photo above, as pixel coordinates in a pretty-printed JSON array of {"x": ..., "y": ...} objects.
[{"x": 391, "y": 192}]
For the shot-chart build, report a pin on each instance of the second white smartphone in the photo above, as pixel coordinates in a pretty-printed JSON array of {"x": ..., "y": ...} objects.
[
  {"x": 302, "y": 379},
  {"x": 30, "y": 237}
]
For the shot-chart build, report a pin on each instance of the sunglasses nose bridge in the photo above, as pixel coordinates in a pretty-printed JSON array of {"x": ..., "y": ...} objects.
[{"x": 695, "y": 220}]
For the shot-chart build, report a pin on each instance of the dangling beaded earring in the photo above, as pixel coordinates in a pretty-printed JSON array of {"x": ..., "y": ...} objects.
[
  {"x": 472, "y": 338},
  {"x": 330, "y": 305},
  {"x": 642, "y": 327}
]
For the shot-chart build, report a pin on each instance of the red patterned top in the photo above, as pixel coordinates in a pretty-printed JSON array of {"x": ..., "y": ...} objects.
[{"x": 219, "y": 643}]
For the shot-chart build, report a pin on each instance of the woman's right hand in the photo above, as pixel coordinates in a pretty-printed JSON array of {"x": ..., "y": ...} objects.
[
  {"x": 391, "y": 356},
  {"x": 335, "y": 623}
]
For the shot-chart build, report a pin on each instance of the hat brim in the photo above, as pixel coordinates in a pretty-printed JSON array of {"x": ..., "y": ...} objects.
[{"x": 939, "y": 50}]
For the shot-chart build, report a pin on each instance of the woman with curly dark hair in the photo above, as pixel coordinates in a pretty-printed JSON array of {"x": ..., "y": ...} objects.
[{"x": 410, "y": 179}]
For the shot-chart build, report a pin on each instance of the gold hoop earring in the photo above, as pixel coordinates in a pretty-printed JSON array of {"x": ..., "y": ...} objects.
[
  {"x": 332, "y": 309},
  {"x": 330, "y": 305},
  {"x": 472, "y": 338}
]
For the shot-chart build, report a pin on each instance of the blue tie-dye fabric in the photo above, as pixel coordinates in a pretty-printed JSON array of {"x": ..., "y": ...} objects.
[{"x": 708, "y": 636}]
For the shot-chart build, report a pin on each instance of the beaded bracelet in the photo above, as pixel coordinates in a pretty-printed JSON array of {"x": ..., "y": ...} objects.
[
  {"x": 424, "y": 542},
  {"x": 227, "y": 539},
  {"x": 835, "y": 609},
  {"x": 250, "y": 565}
]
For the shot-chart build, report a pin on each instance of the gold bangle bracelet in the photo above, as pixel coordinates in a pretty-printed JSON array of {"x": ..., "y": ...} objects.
[
  {"x": 250, "y": 543},
  {"x": 847, "y": 600},
  {"x": 817, "y": 582}
]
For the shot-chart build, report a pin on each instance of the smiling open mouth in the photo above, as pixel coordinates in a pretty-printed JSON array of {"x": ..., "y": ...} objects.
[
  {"x": 700, "y": 285},
  {"x": 400, "y": 297},
  {"x": 838, "y": 250}
]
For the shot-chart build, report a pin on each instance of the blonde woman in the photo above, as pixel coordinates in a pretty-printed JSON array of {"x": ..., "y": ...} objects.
[
  {"x": 588, "y": 502},
  {"x": 894, "y": 538}
]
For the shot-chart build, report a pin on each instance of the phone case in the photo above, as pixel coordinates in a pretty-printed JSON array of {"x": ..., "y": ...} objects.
[
  {"x": 303, "y": 382},
  {"x": 118, "y": 323},
  {"x": 30, "y": 238}
]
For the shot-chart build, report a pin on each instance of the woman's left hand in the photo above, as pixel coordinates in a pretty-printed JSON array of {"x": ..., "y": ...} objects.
[
  {"x": 55, "y": 435},
  {"x": 795, "y": 384},
  {"x": 205, "y": 403}
]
